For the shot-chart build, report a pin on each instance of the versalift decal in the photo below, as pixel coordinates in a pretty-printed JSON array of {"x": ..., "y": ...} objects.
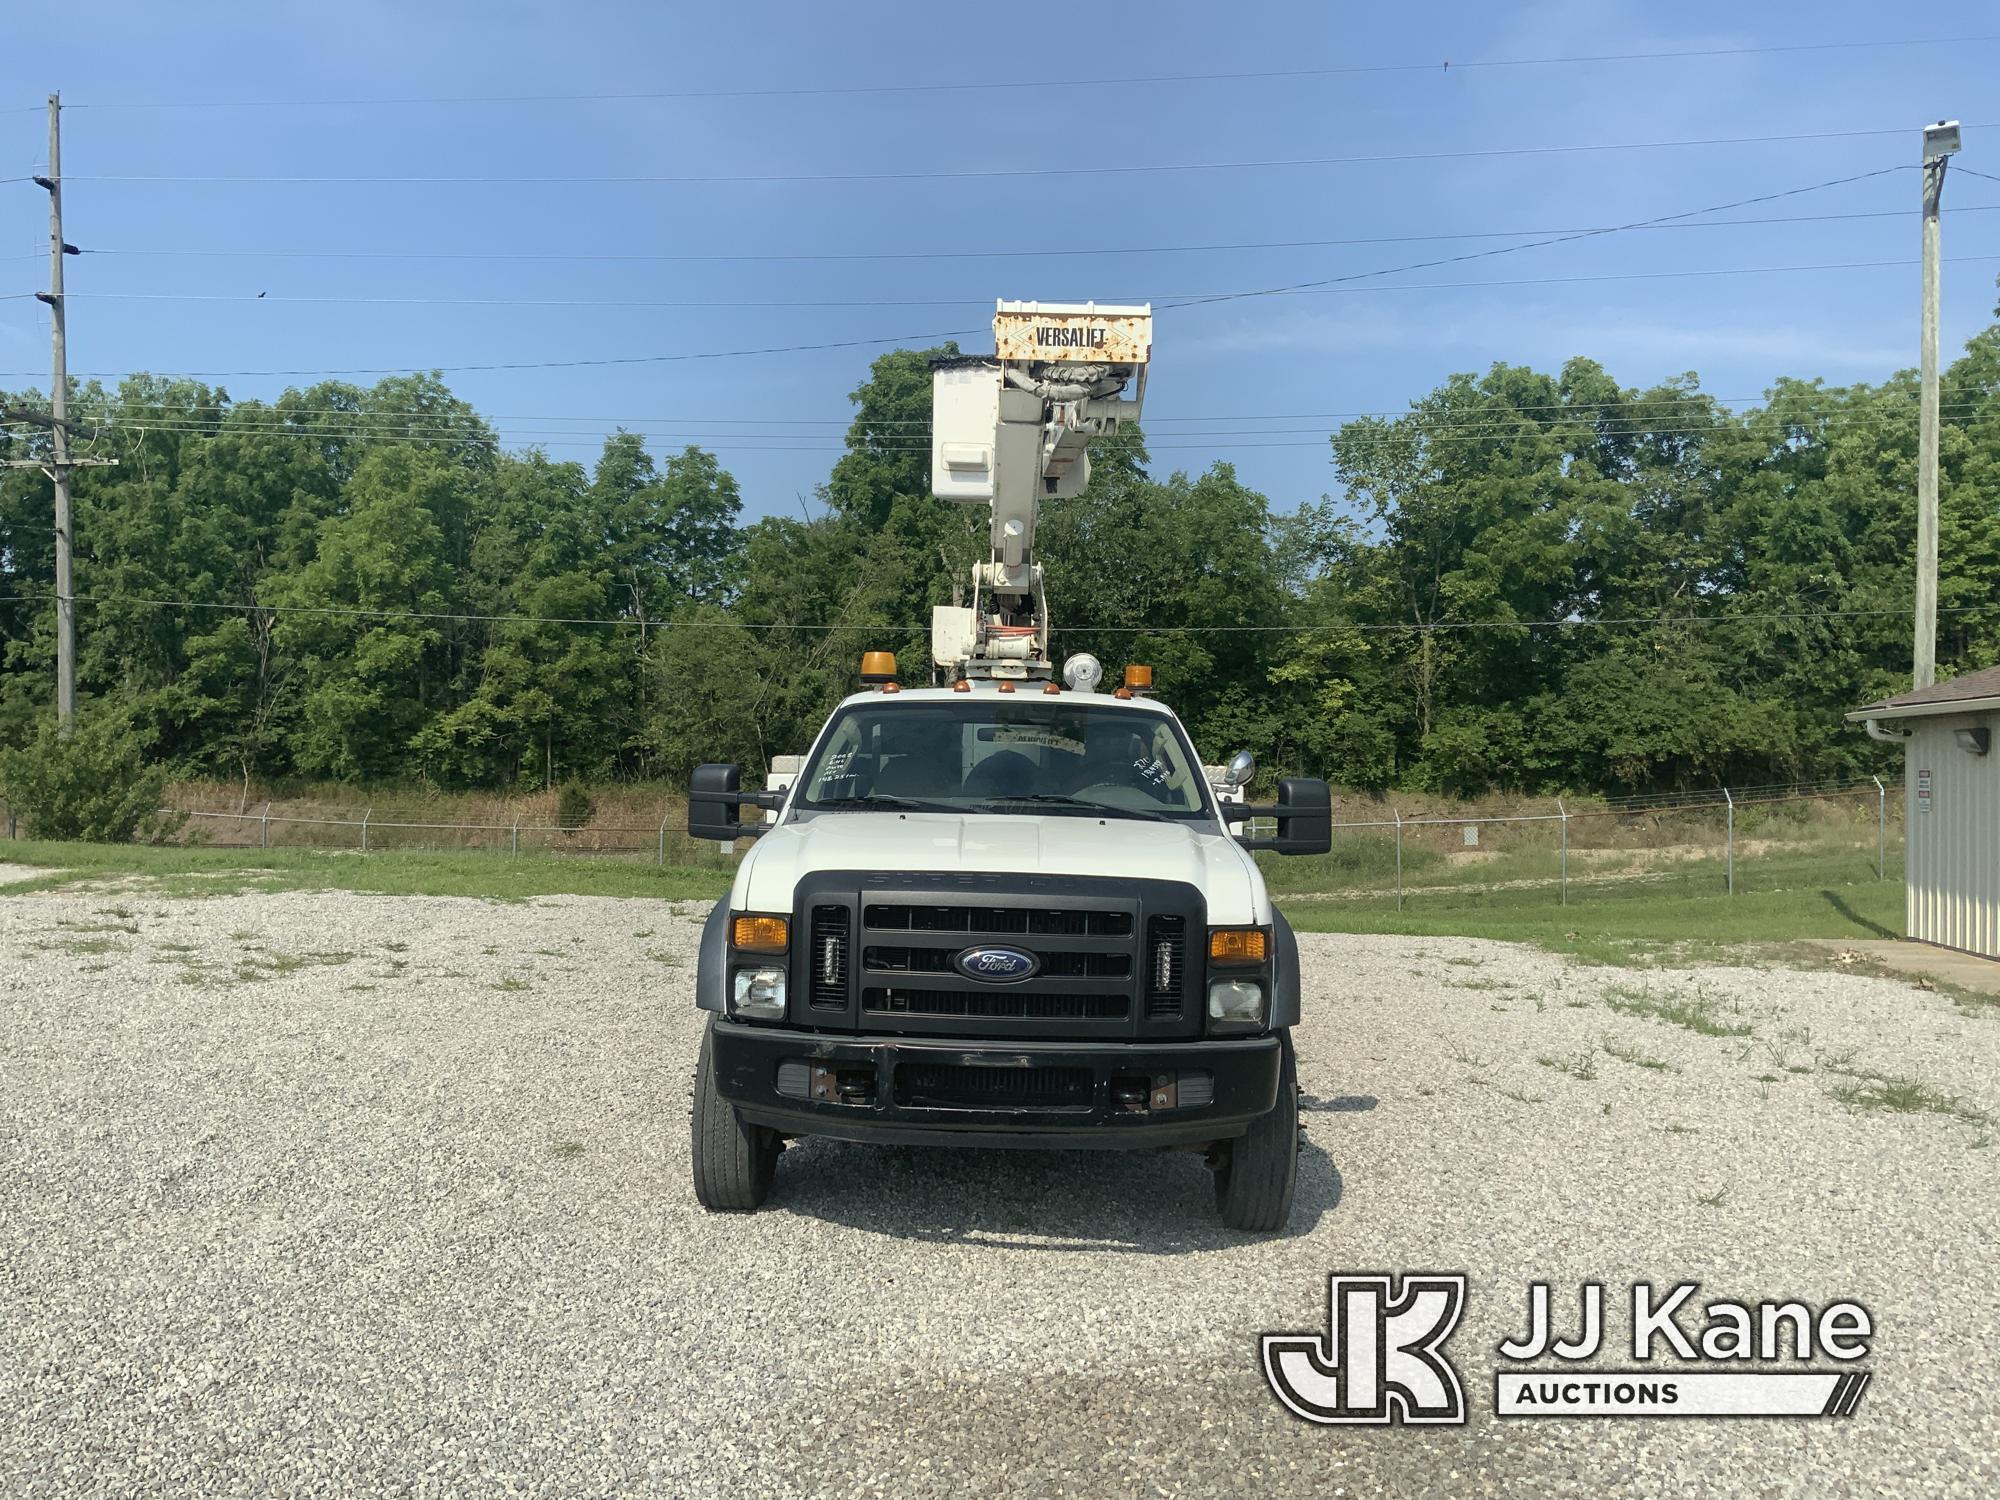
[
  {"x": 1382, "y": 1358},
  {"x": 1064, "y": 336}
]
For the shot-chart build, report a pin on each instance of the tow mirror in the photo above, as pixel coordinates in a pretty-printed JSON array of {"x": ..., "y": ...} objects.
[
  {"x": 1304, "y": 811},
  {"x": 715, "y": 795}
]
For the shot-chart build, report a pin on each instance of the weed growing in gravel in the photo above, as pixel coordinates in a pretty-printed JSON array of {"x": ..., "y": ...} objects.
[
  {"x": 175, "y": 947},
  {"x": 644, "y": 932},
  {"x": 1582, "y": 1066},
  {"x": 1798, "y": 1067},
  {"x": 242, "y": 935},
  {"x": 1638, "y": 1059},
  {"x": 1576, "y": 1005},
  {"x": 1696, "y": 1012},
  {"x": 1474, "y": 984},
  {"x": 80, "y": 945},
  {"x": 510, "y": 985},
  {"x": 663, "y": 956},
  {"x": 1522, "y": 1096},
  {"x": 124, "y": 926},
  {"x": 566, "y": 1149},
  {"x": 1679, "y": 1129},
  {"x": 1464, "y": 1058},
  {"x": 1465, "y": 963},
  {"x": 1769, "y": 1078},
  {"x": 1863, "y": 1091},
  {"x": 397, "y": 947},
  {"x": 1713, "y": 1200},
  {"x": 359, "y": 989}
]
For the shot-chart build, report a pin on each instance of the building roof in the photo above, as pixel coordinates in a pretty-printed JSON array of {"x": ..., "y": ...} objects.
[{"x": 1972, "y": 691}]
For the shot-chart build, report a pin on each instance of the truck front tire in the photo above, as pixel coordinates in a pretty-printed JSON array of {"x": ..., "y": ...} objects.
[
  {"x": 1260, "y": 1168},
  {"x": 733, "y": 1159}
]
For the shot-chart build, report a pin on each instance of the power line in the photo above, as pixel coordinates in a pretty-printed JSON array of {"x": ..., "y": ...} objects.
[
  {"x": 239, "y": 253},
  {"x": 1692, "y": 213},
  {"x": 959, "y": 333},
  {"x": 1329, "y": 284},
  {"x": 1440, "y": 66},
  {"x": 1881, "y": 423},
  {"x": 445, "y": 616},
  {"x": 963, "y": 174},
  {"x": 1700, "y": 399}
]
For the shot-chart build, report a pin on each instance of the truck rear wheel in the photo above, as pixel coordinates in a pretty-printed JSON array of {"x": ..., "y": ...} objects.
[
  {"x": 733, "y": 1159},
  {"x": 1259, "y": 1169}
]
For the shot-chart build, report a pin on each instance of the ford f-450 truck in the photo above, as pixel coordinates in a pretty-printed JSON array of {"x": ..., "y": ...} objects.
[{"x": 1005, "y": 910}]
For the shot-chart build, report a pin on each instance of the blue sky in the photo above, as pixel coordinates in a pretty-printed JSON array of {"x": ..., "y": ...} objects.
[{"x": 1222, "y": 373}]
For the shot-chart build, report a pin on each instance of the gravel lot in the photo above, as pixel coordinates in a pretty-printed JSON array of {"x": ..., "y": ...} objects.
[{"x": 340, "y": 1194}]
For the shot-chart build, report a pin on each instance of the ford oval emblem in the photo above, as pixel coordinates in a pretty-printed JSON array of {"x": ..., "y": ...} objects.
[{"x": 996, "y": 965}]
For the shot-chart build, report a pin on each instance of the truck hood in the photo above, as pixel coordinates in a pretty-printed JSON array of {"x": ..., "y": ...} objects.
[{"x": 1113, "y": 848}]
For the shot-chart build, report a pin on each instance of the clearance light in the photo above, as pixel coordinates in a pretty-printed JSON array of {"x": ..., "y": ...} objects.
[
  {"x": 963, "y": 685},
  {"x": 760, "y": 934},
  {"x": 878, "y": 666},
  {"x": 1234, "y": 945},
  {"x": 1050, "y": 689},
  {"x": 1006, "y": 687}
]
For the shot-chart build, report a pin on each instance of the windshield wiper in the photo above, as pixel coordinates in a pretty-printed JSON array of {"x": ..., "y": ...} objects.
[
  {"x": 876, "y": 799},
  {"x": 1099, "y": 809}
]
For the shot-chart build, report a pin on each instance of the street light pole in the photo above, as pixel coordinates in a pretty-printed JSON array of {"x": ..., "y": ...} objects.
[{"x": 1940, "y": 141}]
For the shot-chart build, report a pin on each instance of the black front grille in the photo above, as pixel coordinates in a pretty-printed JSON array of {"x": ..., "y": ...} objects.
[
  {"x": 1004, "y": 1005},
  {"x": 942, "y": 1086},
  {"x": 1166, "y": 965},
  {"x": 826, "y": 958},
  {"x": 900, "y": 934},
  {"x": 989, "y": 921}
]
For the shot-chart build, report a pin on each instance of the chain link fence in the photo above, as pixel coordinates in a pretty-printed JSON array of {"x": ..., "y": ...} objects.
[
  {"x": 663, "y": 843},
  {"x": 1721, "y": 841},
  {"x": 1717, "y": 841}
]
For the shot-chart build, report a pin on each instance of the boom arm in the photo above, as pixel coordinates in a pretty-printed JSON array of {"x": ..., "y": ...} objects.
[{"x": 1011, "y": 431}]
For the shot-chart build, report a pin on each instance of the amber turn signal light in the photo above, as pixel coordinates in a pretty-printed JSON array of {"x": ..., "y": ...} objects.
[
  {"x": 760, "y": 934},
  {"x": 1233, "y": 945}
]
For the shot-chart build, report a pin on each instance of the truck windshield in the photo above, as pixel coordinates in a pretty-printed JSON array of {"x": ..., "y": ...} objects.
[{"x": 993, "y": 755}]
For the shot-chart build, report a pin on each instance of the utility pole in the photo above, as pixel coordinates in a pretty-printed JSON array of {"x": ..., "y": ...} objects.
[
  {"x": 57, "y": 421},
  {"x": 1940, "y": 141}
]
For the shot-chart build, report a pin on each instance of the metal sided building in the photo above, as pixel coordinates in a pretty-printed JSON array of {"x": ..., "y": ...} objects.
[{"x": 1951, "y": 807}]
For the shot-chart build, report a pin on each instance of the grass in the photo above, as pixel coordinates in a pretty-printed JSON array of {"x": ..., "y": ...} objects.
[
  {"x": 1638, "y": 1059},
  {"x": 1696, "y": 1012},
  {"x": 1582, "y": 1066},
  {"x": 1641, "y": 923},
  {"x": 1865, "y": 1091},
  {"x": 182, "y": 871}
]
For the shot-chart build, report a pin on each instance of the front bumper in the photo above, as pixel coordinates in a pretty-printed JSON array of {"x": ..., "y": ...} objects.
[{"x": 1111, "y": 1089}]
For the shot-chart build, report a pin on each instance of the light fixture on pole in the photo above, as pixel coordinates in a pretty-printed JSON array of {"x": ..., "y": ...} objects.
[{"x": 1940, "y": 143}]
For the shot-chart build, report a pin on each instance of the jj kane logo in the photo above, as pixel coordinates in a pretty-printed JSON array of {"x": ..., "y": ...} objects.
[{"x": 1382, "y": 1357}]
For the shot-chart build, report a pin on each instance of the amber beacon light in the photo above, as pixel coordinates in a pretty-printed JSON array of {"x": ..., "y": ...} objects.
[{"x": 878, "y": 667}]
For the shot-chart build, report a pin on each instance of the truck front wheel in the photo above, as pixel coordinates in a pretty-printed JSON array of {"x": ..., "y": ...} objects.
[
  {"x": 733, "y": 1159},
  {"x": 1258, "y": 1170}
]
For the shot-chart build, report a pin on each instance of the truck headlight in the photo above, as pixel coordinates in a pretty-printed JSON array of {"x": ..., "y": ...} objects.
[
  {"x": 1235, "y": 1005},
  {"x": 758, "y": 994}
]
